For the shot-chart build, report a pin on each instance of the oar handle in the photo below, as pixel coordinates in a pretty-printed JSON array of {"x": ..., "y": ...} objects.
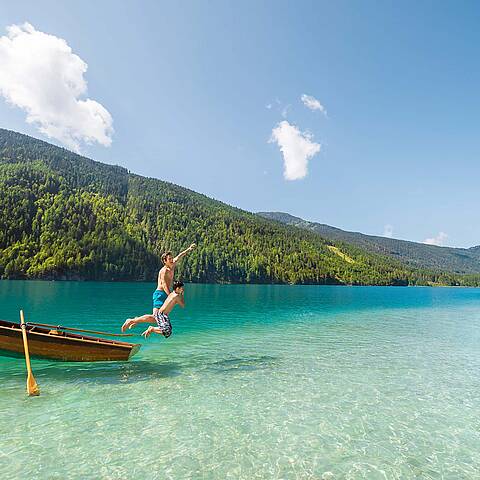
[{"x": 32, "y": 387}]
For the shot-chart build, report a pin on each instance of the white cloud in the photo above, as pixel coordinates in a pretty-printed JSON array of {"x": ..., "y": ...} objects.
[
  {"x": 284, "y": 112},
  {"x": 439, "y": 240},
  {"x": 40, "y": 74},
  {"x": 313, "y": 104},
  {"x": 388, "y": 231},
  {"x": 297, "y": 149}
]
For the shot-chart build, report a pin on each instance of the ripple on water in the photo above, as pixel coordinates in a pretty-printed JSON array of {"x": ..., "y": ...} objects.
[{"x": 312, "y": 383}]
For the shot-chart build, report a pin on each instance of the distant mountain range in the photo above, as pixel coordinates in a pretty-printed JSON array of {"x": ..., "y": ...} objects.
[
  {"x": 454, "y": 260},
  {"x": 66, "y": 217}
]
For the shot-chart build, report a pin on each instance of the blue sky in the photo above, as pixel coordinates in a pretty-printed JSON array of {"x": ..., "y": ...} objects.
[{"x": 187, "y": 86}]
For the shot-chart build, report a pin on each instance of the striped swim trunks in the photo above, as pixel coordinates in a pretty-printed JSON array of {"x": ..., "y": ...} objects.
[{"x": 163, "y": 323}]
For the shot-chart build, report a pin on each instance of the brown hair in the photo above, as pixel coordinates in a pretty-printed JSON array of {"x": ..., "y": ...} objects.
[{"x": 165, "y": 255}]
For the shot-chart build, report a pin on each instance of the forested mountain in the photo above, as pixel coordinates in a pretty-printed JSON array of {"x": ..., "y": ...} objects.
[
  {"x": 64, "y": 216},
  {"x": 454, "y": 260}
]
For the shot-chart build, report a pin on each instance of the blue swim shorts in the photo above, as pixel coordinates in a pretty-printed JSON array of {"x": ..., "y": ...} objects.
[{"x": 159, "y": 296}]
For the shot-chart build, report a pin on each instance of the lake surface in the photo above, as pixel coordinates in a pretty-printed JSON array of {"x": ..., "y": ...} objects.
[{"x": 267, "y": 382}]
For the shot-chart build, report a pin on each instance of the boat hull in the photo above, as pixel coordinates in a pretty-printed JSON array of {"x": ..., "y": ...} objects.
[{"x": 63, "y": 346}]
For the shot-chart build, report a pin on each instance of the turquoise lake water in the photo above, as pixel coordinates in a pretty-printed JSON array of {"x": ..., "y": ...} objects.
[{"x": 256, "y": 382}]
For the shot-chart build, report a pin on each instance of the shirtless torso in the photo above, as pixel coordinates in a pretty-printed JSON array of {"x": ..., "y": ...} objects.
[
  {"x": 165, "y": 278},
  {"x": 173, "y": 299}
]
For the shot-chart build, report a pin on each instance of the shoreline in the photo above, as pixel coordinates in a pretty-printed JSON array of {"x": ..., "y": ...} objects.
[{"x": 236, "y": 284}]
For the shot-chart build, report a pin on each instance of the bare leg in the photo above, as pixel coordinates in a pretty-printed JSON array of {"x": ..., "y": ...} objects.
[
  {"x": 151, "y": 330},
  {"x": 131, "y": 322}
]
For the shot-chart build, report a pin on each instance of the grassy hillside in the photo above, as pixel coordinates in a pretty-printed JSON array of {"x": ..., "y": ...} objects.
[
  {"x": 63, "y": 216},
  {"x": 417, "y": 255}
]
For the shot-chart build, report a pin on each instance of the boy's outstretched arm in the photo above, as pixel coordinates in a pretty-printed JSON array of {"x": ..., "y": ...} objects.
[{"x": 182, "y": 254}]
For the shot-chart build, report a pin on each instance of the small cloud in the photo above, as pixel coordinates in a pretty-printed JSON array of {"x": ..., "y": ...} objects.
[
  {"x": 41, "y": 75},
  {"x": 388, "y": 231},
  {"x": 313, "y": 104},
  {"x": 285, "y": 111},
  {"x": 279, "y": 106},
  {"x": 297, "y": 149},
  {"x": 439, "y": 240}
]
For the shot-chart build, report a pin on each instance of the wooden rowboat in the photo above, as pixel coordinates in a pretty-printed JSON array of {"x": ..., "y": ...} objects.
[{"x": 58, "y": 344}]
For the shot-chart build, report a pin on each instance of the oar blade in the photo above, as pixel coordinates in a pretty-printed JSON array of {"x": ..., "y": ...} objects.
[{"x": 32, "y": 387}]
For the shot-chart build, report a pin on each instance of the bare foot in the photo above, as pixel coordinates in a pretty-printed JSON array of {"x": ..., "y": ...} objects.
[
  {"x": 147, "y": 332},
  {"x": 127, "y": 324}
]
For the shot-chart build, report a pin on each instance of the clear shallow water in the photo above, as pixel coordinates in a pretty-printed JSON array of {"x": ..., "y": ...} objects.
[{"x": 263, "y": 382}]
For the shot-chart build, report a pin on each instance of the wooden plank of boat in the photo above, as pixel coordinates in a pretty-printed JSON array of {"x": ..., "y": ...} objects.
[{"x": 60, "y": 345}]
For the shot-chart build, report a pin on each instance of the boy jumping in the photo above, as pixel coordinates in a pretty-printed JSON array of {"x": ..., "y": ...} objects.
[
  {"x": 164, "y": 287},
  {"x": 160, "y": 317},
  {"x": 165, "y": 276}
]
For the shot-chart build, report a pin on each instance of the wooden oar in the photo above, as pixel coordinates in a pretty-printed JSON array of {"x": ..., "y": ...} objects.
[
  {"x": 32, "y": 387},
  {"x": 59, "y": 327}
]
